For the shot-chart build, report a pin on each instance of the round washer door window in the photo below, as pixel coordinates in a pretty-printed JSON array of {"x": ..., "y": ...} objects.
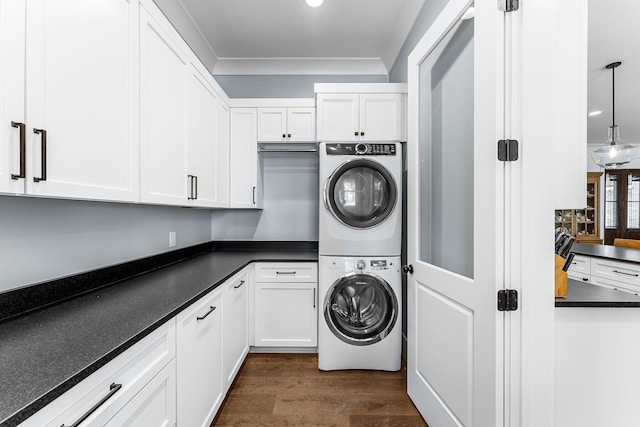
[
  {"x": 361, "y": 193},
  {"x": 360, "y": 309}
]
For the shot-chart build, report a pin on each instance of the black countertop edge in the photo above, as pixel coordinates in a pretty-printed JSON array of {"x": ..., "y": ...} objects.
[
  {"x": 30, "y": 298},
  {"x": 581, "y": 294},
  {"x": 264, "y": 245},
  {"x": 607, "y": 252}
]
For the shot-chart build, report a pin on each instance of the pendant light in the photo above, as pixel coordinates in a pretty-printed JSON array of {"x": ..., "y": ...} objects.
[{"x": 614, "y": 153}]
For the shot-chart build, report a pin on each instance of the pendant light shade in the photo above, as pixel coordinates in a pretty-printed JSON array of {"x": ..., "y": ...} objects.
[{"x": 614, "y": 153}]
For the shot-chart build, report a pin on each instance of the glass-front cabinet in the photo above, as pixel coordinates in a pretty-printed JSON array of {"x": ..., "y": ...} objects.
[
  {"x": 621, "y": 205},
  {"x": 584, "y": 223}
]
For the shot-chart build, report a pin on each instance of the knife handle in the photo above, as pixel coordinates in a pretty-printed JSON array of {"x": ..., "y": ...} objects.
[{"x": 568, "y": 262}]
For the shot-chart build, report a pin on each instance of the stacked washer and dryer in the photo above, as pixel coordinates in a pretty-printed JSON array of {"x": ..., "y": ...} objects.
[{"x": 359, "y": 245}]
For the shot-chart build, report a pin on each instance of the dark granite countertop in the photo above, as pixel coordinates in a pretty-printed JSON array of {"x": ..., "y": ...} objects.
[
  {"x": 607, "y": 251},
  {"x": 45, "y": 353},
  {"x": 581, "y": 294}
]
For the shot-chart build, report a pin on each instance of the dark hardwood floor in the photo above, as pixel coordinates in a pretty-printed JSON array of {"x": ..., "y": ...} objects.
[{"x": 289, "y": 390}]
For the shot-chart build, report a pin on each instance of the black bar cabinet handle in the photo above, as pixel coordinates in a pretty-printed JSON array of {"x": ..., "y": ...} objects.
[
  {"x": 285, "y": 272},
  {"x": 314, "y": 297},
  {"x": 254, "y": 195},
  {"x": 211, "y": 309},
  {"x": 43, "y": 158},
  {"x": 284, "y": 135},
  {"x": 626, "y": 274},
  {"x": 113, "y": 389},
  {"x": 288, "y": 135},
  {"x": 356, "y": 133},
  {"x": 23, "y": 151},
  {"x": 196, "y": 179},
  {"x": 361, "y": 133},
  {"x": 190, "y": 178},
  {"x": 239, "y": 284}
]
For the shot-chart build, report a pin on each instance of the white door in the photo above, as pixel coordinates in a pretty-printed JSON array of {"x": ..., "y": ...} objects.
[
  {"x": 164, "y": 69},
  {"x": 235, "y": 326},
  {"x": 272, "y": 124},
  {"x": 199, "y": 358},
  {"x": 82, "y": 99},
  {"x": 203, "y": 134},
  {"x": 338, "y": 117},
  {"x": 380, "y": 116},
  {"x": 301, "y": 124},
  {"x": 244, "y": 158},
  {"x": 12, "y": 114},
  {"x": 455, "y": 208}
]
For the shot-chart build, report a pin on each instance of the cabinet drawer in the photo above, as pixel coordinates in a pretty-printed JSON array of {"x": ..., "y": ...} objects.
[
  {"x": 581, "y": 264},
  {"x": 582, "y": 277},
  {"x": 619, "y": 271},
  {"x": 615, "y": 284},
  {"x": 115, "y": 384},
  {"x": 286, "y": 272}
]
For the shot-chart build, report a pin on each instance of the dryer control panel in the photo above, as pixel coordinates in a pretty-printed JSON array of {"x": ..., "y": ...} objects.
[{"x": 361, "y": 149}]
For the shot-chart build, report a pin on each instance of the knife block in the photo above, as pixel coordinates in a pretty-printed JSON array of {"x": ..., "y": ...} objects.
[{"x": 561, "y": 277}]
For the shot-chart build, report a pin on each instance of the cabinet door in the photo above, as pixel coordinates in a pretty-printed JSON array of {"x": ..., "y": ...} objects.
[
  {"x": 272, "y": 124},
  {"x": 222, "y": 162},
  {"x": 286, "y": 315},
  {"x": 81, "y": 86},
  {"x": 301, "y": 124},
  {"x": 199, "y": 368},
  {"x": 338, "y": 117},
  {"x": 235, "y": 323},
  {"x": 380, "y": 117},
  {"x": 12, "y": 73},
  {"x": 244, "y": 158},
  {"x": 164, "y": 69},
  {"x": 203, "y": 133},
  {"x": 154, "y": 405}
]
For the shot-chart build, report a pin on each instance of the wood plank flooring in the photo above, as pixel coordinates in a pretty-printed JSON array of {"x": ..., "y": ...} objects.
[{"x": 289, "y": 390}]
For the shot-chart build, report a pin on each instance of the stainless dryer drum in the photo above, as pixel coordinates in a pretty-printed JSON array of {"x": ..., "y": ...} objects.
[
  {"x": 361, "y": 193},
  {"x": 360, "y": 309}
]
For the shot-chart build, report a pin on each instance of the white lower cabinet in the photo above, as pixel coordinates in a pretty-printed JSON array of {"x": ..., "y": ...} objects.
[
  {"x": 199, "y": 332},
  {"x": 120, "y": 385},
  {"x": 286, "y": 301},
  {"x": 235, "y": 323}
]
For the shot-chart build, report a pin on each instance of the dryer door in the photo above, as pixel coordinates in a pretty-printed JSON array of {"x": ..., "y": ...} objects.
[
  {"x": 360, "y": 309},
  {"x": 361, "y": 193}
]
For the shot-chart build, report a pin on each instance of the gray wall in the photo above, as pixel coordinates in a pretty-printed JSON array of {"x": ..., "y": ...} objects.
[
  {"x": 278, "y": 86},
  {"x": 290, "y": 186},
  {"x": 43, "y": 239},
  {"x": 427, "y": 15}
]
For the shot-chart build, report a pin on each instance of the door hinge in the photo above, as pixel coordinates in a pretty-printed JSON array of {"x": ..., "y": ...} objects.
[
  {"x": 507, "y": 300},
  {"x": 508, "y": 5},
  {"x": 507, "y": 150}
]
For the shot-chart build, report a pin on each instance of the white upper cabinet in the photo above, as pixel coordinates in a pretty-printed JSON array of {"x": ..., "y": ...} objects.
[
  {"x": 12, "y": 112},
  {"x": 203, "y": 147},
  {"x": 164, "y": 72},
  {"x": 244, "y": 177},
  {"x": 74, "y": 102},
  {"x": 359, "y": 117},
  {"x": 286, "y": 124}
]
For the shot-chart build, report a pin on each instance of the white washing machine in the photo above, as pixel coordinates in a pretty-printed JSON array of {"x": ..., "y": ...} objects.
[
  {"x": 360, "y": 319},
  {"x": 360, "y": 199}
]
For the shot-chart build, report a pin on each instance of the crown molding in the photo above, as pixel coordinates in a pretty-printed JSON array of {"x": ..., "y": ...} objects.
[{"x": 300, "y": 66}]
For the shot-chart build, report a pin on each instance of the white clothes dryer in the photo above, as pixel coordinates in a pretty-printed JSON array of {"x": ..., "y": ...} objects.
[
  {"x": 360, "y": 319},
  {"x": 360, "y": 199}
]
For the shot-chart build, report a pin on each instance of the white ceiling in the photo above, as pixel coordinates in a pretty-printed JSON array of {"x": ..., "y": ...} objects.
[
  {"x": 614, "y": 35},
  {"x": 289, "y": 37}
]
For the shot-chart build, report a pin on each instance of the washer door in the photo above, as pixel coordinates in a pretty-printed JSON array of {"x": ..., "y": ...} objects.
[
  {"x": 360, "y": 309},
  {"x": 361, "y": 193}
]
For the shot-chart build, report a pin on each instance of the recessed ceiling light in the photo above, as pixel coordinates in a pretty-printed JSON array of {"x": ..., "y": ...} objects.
[
  {"x": 314, "y": 3},
  {"x": 595, "y": 113}
]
